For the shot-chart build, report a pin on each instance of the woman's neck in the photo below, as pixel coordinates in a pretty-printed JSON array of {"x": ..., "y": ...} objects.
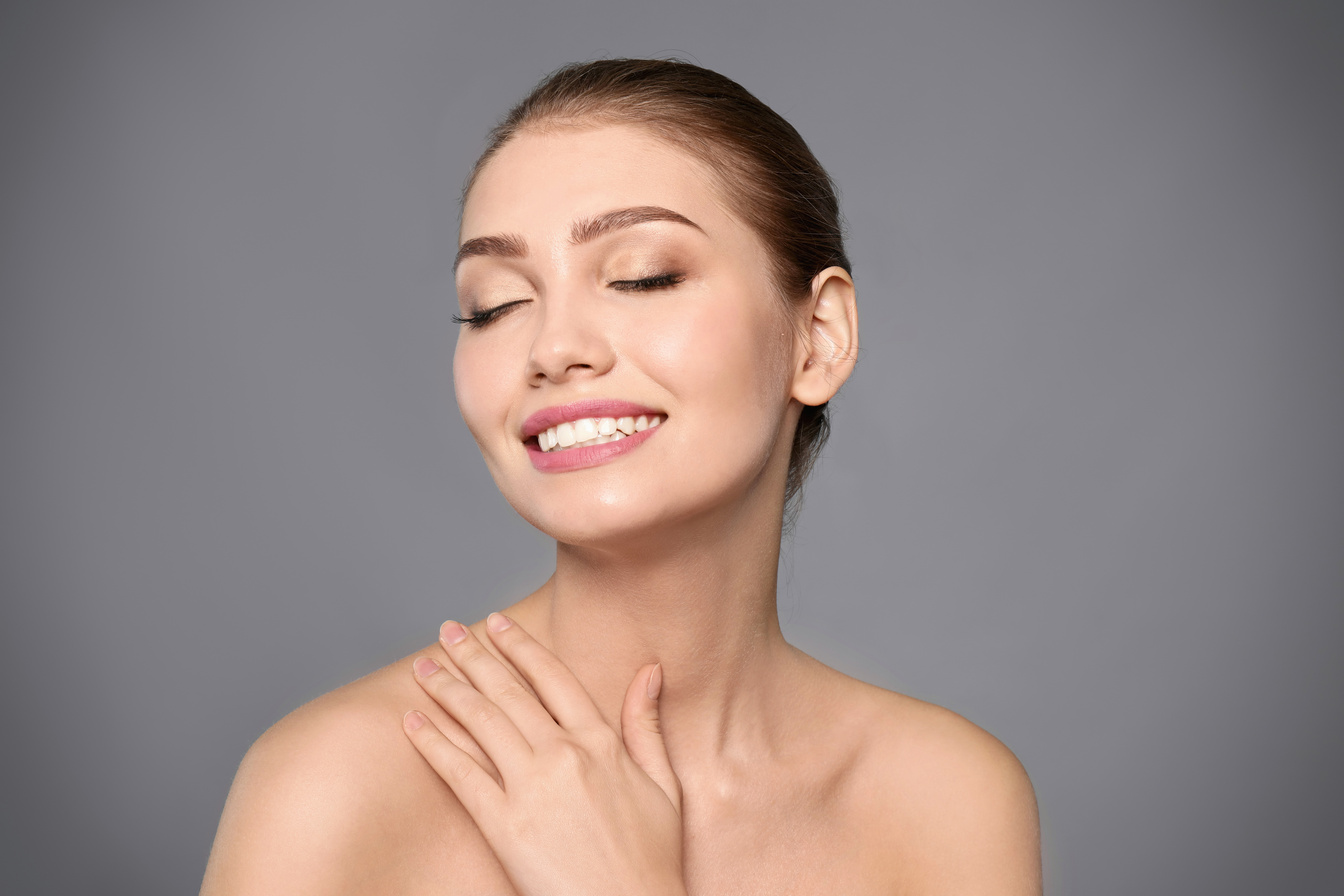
[{"x": 703, "y": 607}]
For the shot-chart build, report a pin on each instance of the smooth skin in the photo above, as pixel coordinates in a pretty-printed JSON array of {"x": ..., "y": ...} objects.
[{"x": 638, "y": 724}]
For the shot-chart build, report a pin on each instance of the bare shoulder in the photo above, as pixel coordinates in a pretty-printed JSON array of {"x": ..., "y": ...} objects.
[
  {"x": 334, "y": 799},
  {"x": 953, "y": 805}
]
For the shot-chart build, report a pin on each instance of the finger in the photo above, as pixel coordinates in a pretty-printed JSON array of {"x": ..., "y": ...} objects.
[
  {"x": 485, "y": 722},
  {"x": 453, "y": 730},
  {"x": 478, "y": 792},
  {"x": 451, "y": 666},
  {"x": 561, "y": 693},
  {"x": 503, "y": 660},
  {"x": 642, "y": 731},
  {"x": 496, "y": 682}
]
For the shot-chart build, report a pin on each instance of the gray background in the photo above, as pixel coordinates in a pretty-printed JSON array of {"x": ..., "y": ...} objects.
[{"x": 1086, "y": 487}]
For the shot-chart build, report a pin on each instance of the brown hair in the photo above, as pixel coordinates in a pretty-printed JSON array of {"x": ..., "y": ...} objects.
[{"x": 762, "y": 165}]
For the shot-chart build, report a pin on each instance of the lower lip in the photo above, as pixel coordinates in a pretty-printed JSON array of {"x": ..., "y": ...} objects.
[{"x": 564, "y": 460}]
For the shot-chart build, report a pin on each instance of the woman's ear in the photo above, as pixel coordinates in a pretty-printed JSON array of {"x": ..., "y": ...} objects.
[{"x": 829, "y": 345}]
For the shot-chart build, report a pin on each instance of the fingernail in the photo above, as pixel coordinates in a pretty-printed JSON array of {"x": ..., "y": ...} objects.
[
  {"x": 656, "y": 682},
  {"x": 497, "y": 622},
  {"x": 451, "y": 633},
  {"x": 413, "y": 720},
  {"x": 425, "y": 667}
]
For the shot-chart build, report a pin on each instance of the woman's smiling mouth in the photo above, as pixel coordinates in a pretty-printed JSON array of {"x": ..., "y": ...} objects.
[{"x": 586, "y": 433}]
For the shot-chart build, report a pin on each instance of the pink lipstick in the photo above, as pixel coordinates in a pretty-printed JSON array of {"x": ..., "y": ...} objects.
[{"x": 586, "y": 433}]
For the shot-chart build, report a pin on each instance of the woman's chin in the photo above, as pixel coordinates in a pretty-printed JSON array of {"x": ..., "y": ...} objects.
[
  {"x": 607, "y": 528},
  {"x": 613, "y": 525},
  {"x": 618, "y": 509}
]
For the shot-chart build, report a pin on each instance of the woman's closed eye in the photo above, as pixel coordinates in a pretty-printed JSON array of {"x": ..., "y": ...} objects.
[
  {"x": 478, "y": 319},
  {"x": 659, "y": 281}
]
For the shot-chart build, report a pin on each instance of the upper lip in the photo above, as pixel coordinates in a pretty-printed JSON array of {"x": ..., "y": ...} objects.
[{"x": 545, "y": 418}]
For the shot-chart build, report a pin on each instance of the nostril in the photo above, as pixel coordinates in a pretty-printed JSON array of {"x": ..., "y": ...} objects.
[{"x": 568, "y": 352}]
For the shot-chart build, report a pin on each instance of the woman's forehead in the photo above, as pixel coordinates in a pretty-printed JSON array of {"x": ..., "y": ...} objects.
[{"x": 544, "y": 180}]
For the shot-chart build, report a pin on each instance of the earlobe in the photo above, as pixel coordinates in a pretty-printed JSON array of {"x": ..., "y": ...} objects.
[{"x": 830, "y": 346}]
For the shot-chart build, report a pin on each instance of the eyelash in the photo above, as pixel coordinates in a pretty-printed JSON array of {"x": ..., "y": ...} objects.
[
  {"x": 645, "y": 284},
  {"x": 481, "y": 318},
  {"x": 660, "y": 281}
]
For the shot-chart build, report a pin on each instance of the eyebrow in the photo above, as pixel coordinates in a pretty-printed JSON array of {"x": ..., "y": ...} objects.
[
  {"x": 589, "y": 229},
  {"x": 584, "y": 230},
  {"x": 507, "y": 246}
]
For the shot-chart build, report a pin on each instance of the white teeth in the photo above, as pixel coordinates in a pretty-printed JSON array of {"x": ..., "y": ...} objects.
[
  {"x": 585, "y": 430},
  {"x": 594, "y": 431}
]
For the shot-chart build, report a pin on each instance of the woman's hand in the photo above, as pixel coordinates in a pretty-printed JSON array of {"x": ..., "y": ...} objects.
[{"x": 569, "y": 806}]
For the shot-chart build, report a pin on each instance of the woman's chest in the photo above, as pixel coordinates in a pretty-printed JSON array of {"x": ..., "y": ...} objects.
[
  {"x": 756, "y": 854},
  {"x": 769, "y": 837},
  {"x": 789, "y": 847}
]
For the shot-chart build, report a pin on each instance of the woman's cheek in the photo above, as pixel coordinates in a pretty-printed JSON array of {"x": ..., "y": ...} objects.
[
  {"x": 719, "y": 350},
  {"x": 477, "y": 389}
]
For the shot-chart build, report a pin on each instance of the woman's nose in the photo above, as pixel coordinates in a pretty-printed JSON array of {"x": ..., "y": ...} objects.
[{"x": 570, "y": 343}]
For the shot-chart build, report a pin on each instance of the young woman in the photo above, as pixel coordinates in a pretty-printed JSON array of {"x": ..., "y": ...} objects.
[{"x": 656, "y": 307}]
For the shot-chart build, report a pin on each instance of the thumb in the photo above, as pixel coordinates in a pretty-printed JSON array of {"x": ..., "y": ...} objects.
[{"x": 641, "y": 729}]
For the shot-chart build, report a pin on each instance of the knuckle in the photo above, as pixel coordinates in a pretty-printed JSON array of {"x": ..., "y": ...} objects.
[
  {"x": 481, "y": 713},
  {"x": 529, "y": 653},
  {"x": 445, "y": 689},
  {"x": 603, "y": 741},
  {"x": 459, "y": 768},
  {"x": 513, "y": 694},
  {"x": 568, "y": 755},
  {"x": 549, "y": 674}
]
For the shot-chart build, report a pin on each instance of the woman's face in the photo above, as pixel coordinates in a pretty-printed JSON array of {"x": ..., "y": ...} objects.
[{"x": 603, "y": 278}]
